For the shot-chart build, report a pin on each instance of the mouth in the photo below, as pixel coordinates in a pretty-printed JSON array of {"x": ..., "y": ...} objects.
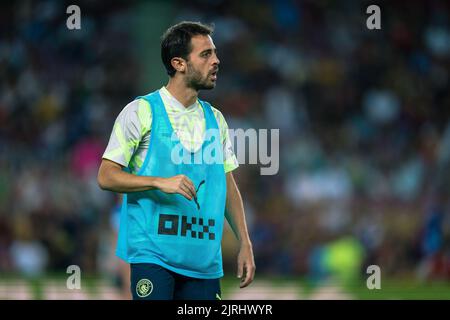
[{"x": 214, "y": 75}]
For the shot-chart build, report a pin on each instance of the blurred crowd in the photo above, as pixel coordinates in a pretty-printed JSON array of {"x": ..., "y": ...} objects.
[{"x": 364, "y": 119}]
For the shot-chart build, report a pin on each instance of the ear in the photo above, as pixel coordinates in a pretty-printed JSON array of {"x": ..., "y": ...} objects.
[{"x": 179, "y": 64}]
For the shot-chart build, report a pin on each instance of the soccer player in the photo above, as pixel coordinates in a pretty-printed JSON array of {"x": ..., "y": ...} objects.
[{"x": 174, "y": 206}]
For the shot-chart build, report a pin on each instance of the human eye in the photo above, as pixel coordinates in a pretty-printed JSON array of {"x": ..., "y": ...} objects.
[{"x": 206, "y": 53}]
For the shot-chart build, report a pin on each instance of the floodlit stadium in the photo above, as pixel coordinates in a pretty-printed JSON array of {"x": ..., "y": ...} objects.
[{"x": 345, "y": 185}]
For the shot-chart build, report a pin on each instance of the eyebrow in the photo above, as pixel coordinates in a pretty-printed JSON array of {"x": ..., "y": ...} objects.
[{"x": 209, "y": 50}]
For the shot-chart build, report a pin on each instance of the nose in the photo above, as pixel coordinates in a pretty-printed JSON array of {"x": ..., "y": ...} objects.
[{"x": 216, "y": 60}]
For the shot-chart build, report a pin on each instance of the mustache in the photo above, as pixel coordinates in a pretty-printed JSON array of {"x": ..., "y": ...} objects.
[{"x": 214, "y": 70}]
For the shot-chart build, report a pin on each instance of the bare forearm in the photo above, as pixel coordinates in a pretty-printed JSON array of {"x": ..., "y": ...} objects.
[
  {"x": 235, "y": 215},
  {"x": 116, "y": 180},
  {"x": 234, "y": 212}
]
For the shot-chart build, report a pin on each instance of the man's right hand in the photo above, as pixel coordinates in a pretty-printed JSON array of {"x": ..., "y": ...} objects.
[
  {"x": 112, "y": 177},
  {"x": 177, "y": 184}
]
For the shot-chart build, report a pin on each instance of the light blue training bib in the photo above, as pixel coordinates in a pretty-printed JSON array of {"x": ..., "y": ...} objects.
[{"x": 167, "y": 229}]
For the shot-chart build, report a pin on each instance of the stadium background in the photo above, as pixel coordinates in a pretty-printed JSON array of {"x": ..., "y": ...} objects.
[{"x": 364, "y": 119}]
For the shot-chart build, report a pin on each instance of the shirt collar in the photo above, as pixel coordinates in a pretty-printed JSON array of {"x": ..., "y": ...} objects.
[{"x": 177, "y": 105}]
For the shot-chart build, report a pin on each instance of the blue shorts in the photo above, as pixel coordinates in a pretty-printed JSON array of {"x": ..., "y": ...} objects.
[{"x": 152, "y": 282}]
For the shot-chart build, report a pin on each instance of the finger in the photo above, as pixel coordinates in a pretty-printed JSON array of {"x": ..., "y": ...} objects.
[
  {"x": 183, "y": 191},
  {"x": 190, "y": 185},
  {"x": 187, "y": 190},
  {"x": 240, "y": 269},
  {"x": 249, "y": 274}
]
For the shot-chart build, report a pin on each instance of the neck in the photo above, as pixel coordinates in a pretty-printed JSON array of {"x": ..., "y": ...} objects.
[{"x": 178, "y": 89}]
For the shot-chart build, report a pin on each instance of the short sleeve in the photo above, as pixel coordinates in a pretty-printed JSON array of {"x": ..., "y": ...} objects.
[
  {"x": 133, "y": 122},
  {"x": 230, "y": 161}
]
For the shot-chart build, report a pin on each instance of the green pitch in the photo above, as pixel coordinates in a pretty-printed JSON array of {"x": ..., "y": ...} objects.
[{"x": 92, "y": 287}]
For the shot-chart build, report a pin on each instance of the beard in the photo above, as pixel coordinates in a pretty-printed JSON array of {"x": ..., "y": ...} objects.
[{"x": 196, "y": 81}]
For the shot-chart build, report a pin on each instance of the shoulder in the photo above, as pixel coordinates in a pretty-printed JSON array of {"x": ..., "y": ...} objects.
[
  {"x": 129, "y": 109},
  {"x": 137, "y": 112},
  {"x": 136, "y": 106},
  {"x": 221, "y": 122},
  {"x": 219, "y": 117}
]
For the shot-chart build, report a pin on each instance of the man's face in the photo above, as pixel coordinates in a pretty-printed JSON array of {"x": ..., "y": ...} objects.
[{"x": 203, "y": 64}]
